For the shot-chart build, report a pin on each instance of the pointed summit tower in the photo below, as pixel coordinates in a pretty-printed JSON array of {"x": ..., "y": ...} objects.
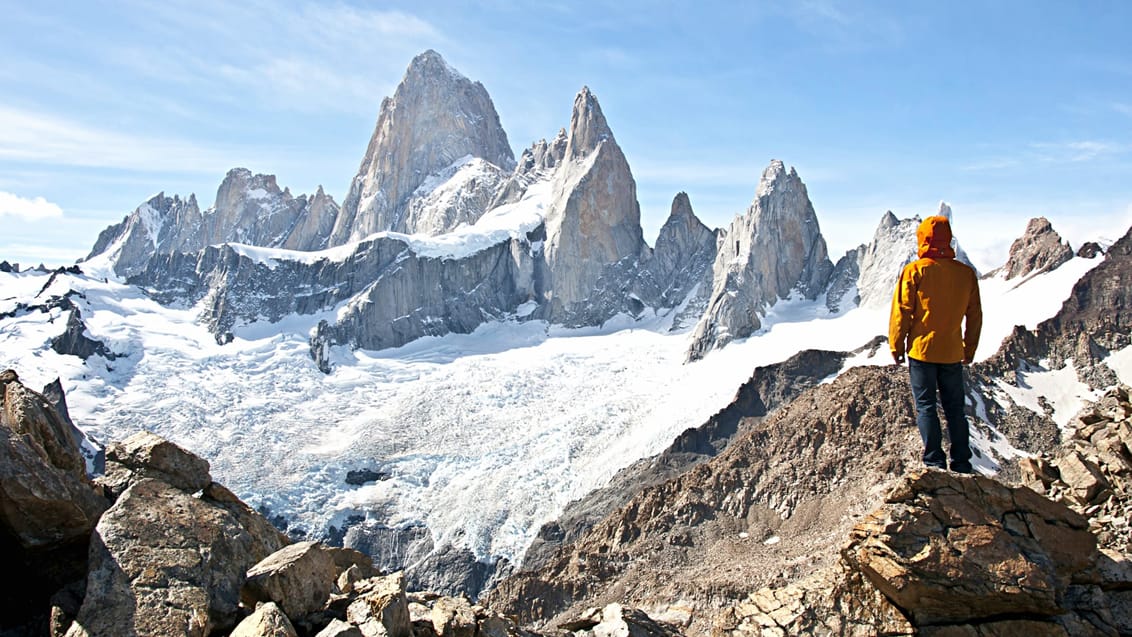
[
  {"x": 436, "y": 118},
  {"x": 774, "y": 250},
  {"x": 594, "y": 220}
]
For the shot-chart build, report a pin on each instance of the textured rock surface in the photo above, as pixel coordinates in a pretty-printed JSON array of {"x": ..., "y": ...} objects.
[
  {"x": 48, "y": 507},
  {"x": 953, "y": 550},
  {"x": 435, "y": 117},
  {"x": 164, "y": 562},
  {"x": 267, "y": 621},
  {"x": 46, "y": 499},
  {"x": 594, "y": 221},
  {"x": 1092, "y": 471},
  {"x": 147, "y": 455},
  {"x": 298, "y": 577},
  {"x": 1039, "y": 249},
  {"x": 768, "y": 253},
  {"x": 952, "y": 555}
]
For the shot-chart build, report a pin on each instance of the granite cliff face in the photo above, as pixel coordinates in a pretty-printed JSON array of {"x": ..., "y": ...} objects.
[
  {"x": 436, "y": 120},
  {"x": 769, "y": 253},
  {"x": 594, "y": 220}
]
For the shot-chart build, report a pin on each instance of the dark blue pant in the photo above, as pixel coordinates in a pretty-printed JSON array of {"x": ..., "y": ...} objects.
[{"x": 947, "y": 378}]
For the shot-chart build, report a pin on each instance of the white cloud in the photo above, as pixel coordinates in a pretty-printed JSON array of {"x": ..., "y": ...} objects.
[
  {"x": 33, "y": 209},
  {"x": 1078, "y": 151},
  {"x": 34, "y": 137}
]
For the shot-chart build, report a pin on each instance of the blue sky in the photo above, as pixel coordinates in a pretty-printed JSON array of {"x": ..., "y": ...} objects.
[{"x": 1006, "y": 110}]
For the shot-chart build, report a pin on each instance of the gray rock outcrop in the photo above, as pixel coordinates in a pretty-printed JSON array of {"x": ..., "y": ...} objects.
[
  {"x": 435, "y": 118},
  {"x": 170, "y": 556},
  {"x": 768, "y": 253},
  {"x": 594, "y": 220},
  {"x": 1039, "y": 249},
  {"x": 48, "y": 506},
  {"x": 681, "y": 262}
]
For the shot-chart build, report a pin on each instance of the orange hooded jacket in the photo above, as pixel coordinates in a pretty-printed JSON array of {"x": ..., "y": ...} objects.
[{"x": 933, "y": 297}]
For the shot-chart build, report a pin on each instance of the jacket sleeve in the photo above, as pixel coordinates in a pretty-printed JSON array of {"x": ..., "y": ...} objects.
[
  {"x": 900, "y": 319},
  {"x": 973, "y": 325}
]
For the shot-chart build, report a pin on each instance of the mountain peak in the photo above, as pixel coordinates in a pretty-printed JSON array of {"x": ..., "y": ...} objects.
[
  {"x": 889, "y": 220},
  {"x": 431, "y": 64},
  {"x": 435, "y": 118},
  {"x": 776, "y": 176},
  {"x": 944, "y": 210},
  {"x": 1039, "y": 249},
  {"x": 588, "y": 127}
]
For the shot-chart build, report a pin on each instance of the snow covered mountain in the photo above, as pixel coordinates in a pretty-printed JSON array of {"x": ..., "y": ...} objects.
[{"x": 435, "y": 371}]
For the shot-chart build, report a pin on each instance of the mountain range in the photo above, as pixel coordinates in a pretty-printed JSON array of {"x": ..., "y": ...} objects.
[{"x": 476, "y": 369}]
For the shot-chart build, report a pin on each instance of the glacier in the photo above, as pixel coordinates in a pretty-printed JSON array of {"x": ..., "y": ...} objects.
[{"x": 484, "y": 436}]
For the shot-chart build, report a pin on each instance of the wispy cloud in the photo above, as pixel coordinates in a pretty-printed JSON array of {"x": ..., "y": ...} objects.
[
  {"x": 307, "y": 58},
  {"x": 37, "y": 138},
  {"x": 1080, "y": 151},
  {"x": 1077, "y": 151},
  {"x": 34, "y": 209}
]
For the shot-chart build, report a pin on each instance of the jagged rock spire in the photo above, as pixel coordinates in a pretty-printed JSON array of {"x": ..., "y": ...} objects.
[
  {"x": 769, "y": 252},
  {"x": 1039, "y": 249},
  {"x": 588, "y": 127}
]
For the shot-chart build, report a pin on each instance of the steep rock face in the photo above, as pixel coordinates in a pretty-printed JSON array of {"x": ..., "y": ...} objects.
[
  {"x": 682, "y": 259},
  {"x": 1039, "y": 249},
  {"x": 892, "y": 247},
  {"x": 1095, "y": 320},
  {"x": 132, "y": 242},
  {"x": 48, "y": 507},
  {"x": 772, "y": 250},
  {"x": 435, "y": 117},
  {"x": 594, "y": 221},
  {"x": 397, "y": 295},
  {"x": 249, "y": 209}
]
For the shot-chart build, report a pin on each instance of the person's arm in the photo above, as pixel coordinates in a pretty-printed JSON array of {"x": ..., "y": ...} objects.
[
  {"x": 973, "y": 323},
  {"x": 900, "y": 319}
]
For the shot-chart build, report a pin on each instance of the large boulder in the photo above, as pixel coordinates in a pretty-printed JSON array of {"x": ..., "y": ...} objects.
[
  {"x": 381, "y": 608},
  {"x": 48, "y": 506},
  {"x": 267, "y": 621},
  {"x": 147, "y": 455},
  {"x": 164, "y": 562},
  {"x": 299, "y": 578},
  {"x": 961, "y": 550},
  {"x": 45, "y": 496}
]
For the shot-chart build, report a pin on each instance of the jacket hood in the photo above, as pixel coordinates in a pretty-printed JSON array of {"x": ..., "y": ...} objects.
[{"x": 934, "y": 238}]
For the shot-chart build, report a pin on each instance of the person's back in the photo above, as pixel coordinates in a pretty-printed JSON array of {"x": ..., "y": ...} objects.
[{"x": 933, "y": 299}]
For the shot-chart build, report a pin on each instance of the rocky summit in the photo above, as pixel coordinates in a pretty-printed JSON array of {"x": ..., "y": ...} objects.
[
  {"x": 434, "y": 119},
  {"x": 1039, "y": 249},
  {"x": 771, "y": 252}
]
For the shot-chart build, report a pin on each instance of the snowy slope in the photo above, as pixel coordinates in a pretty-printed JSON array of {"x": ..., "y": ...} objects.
[{"x": 486, "y": 436}]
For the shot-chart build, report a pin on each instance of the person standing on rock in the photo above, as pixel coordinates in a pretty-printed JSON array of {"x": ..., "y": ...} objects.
[{"x": 936, "y": 319}]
